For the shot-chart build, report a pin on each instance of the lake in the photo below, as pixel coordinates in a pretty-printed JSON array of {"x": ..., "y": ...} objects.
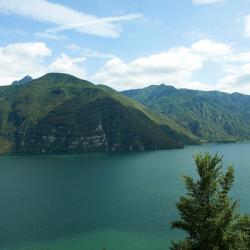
[{"x": 96, "y": 202}]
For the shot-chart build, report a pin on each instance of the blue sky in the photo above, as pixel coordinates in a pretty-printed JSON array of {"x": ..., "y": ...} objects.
[{"x": 199, "y": 44}]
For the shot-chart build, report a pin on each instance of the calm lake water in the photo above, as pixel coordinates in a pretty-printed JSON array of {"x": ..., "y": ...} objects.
[{"x": 96, "y": 202}]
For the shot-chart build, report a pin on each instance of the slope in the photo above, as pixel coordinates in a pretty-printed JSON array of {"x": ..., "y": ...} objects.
[
  {"x": 211, "y": 116},
  {"x": 61, "y": 113}
]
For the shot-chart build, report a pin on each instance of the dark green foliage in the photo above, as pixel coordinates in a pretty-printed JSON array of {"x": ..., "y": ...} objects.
[
  {"x": 61, "y": 113},
  {"x": 244, "y": 226},
  {"x": 211, "y": 116},
  {"x": 208, "y": 214}
]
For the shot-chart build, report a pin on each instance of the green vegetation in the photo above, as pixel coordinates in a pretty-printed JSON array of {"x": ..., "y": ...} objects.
[
  {"x": 208, "y": 214},
  {"x": 210, "y": 116},
  {"x": 61, "y": 113}
]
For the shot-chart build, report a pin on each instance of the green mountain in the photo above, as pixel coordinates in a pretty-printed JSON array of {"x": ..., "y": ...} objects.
[
  {"x": 211, "y": 116},
  {"x": 61, "y": 113}
]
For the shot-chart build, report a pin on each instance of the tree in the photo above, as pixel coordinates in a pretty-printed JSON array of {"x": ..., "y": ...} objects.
[
  {"x": 208, "y": 214},
  {"x": 244, "y": 226}
]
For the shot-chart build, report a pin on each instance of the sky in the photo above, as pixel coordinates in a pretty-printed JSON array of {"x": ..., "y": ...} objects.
[{"x": 128, "y": 44}]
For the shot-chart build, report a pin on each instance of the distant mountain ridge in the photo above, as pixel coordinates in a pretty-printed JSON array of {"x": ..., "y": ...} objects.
[
  {"x": 212, "y": 116},
  {"x": 59, "y": 113}
]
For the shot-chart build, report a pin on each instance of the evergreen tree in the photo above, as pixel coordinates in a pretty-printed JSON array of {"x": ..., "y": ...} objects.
[
  {"x": 208, "y": 214},
  {"x": 244, "y": 226}
]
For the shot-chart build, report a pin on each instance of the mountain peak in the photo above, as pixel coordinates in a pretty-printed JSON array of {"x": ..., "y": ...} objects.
[
  {"x": 165, "y": 86},
  {"x": 23, "y": 81},
  {"x": 54, "y": 77}
]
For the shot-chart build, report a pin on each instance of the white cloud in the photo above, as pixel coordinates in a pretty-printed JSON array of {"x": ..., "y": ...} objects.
[
  {"x": 237, "y": 79},
  {"x": 93, "y": 23},
  {"x": 211, "y": 50},
  {"x": 35, "y": 59},
  {"x": 175, "y": 66},
  {"x": 66, "y": 64},
  {"x": 66, "y": 18},
  {"x": 19, "y": 59},
  {"x": 204, "y": 2}
]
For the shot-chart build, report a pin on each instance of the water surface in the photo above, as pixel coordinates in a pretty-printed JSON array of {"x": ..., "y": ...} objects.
[{"x": 96, "y": 202}]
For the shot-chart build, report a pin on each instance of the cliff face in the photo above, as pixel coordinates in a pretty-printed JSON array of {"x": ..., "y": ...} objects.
[
  {"x": 60, "y": 113},
  {"x": 61, "y": 139}
]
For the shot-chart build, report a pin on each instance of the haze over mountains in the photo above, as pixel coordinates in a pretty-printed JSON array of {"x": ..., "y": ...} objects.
[{"x": 59, "y": 113}]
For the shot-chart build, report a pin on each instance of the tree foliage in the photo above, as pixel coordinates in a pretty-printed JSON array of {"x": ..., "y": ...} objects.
[{"x": 207, "y": 213}]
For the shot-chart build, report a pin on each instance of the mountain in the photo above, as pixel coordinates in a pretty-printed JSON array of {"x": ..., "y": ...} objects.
[
  {"x": 59, "y": 113},
  {"x": 211, "y": 116},
  {"x": 24, "y": 80}
]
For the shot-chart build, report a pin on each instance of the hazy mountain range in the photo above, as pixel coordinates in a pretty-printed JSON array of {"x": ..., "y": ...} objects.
[
  {"x": 59, "y": 113},
  {"x": 211, "y": 116}
]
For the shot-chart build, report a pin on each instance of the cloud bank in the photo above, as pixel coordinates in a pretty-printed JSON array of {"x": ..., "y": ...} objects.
[
  {"x": 35, "y": 59},
  {"x": 177, "y": 66}
]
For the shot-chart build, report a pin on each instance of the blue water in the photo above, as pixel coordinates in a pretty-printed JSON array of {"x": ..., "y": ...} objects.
[{"x": 96, "y": 202}]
